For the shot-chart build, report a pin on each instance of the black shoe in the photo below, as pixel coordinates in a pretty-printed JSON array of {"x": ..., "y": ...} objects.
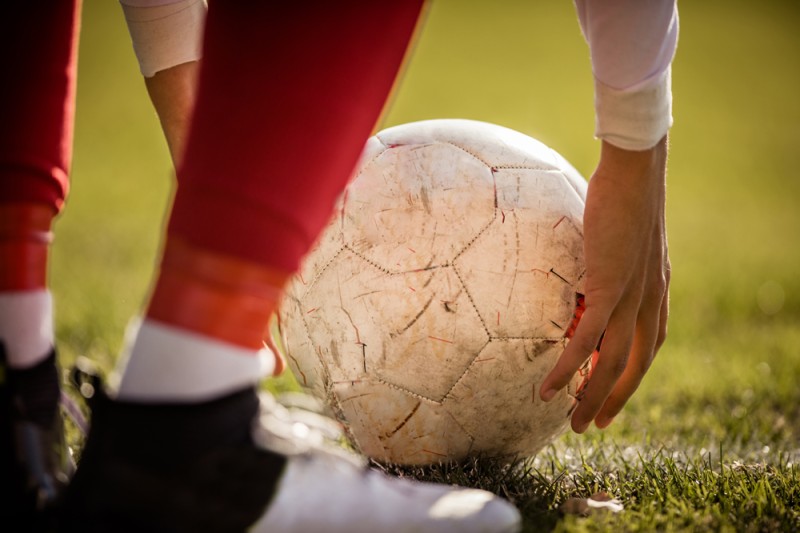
[
  {"x": 170, "y": 467},
  {"x": 206, "y": 468},
  {"x": 34, "y": 460}
]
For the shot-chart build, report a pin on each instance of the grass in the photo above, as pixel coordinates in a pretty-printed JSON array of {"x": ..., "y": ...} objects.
[
  {"x": 661, "y": 490},
  {"x": 711, "y": 442}
]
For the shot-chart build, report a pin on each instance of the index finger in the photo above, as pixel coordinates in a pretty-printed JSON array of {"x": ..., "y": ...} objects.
[
  {"x": 579, "y": 349},
  {"x": 611, "y": 364}
]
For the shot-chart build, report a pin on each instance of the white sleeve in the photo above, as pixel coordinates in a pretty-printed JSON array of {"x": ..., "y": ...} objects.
[
  {"x": 632, "y": 43},
  {"x": 165, "y": 33}
]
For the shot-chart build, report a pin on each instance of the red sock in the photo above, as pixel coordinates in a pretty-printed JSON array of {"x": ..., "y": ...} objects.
[
  {"x": 215, "y": 295},
  {"x": 24, "y": 243}
]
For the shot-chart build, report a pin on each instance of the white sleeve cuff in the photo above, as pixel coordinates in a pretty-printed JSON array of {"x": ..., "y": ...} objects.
[
  {"x": 166, "y": 35},
  {"x": 634, "y": 119}
]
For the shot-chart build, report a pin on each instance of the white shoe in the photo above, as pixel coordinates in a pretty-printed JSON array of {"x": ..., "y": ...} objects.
[{"x": 328, "y": 489}]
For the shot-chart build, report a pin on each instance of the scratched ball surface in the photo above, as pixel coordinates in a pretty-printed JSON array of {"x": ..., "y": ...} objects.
[{"x": 441, "y": 293}]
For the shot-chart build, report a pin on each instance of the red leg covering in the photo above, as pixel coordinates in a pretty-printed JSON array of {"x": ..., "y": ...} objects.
[
  {"x": 38, "y": 46},
  {"x": 288, "y": 94},
  {"x": 219, "y": 296},
  {"x": 24, "y": 242}
]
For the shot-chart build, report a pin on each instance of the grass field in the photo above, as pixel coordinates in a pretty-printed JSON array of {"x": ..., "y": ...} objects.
[{"x": 712, "y": 440}]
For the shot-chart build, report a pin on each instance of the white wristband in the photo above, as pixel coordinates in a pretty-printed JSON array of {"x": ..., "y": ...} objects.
[
  {"x": 166, "y": 35},
  {"x": 634, "y": 119}
]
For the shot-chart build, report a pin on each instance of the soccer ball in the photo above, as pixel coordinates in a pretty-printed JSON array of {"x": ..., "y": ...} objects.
[{"x": 442, "y": 293}]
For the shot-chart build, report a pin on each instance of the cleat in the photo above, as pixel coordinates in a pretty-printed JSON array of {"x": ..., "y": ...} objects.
[
  {"x": 244, "y": 462},
  {"x": 326, "y": 488},
  {"x": 169, "y": 467},
  {"x": 35, "y": 463},
  {"x": 324, "y": 492}
]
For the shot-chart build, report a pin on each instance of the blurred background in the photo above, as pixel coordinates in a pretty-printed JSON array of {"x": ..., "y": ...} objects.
[{"x": 733, "y": 185}]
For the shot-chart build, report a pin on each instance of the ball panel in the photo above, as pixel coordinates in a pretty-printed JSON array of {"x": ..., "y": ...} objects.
[
  {"x": 540, "y": 194},
  {"x": 508, "y": 417},
  {"x": 496, "y": 145},
  {"x": 325, "y": 249},
  {"x": 437, "y": 299},
  {"x": 392, "y": 426},
  {"x": 362, "y": 320},
  {"x": 415, "y": 207},
  {"x": 573, "y": 177},
  {"x": 523, "y": 271},
  {"x": 372, "y": 149},
  {"x": 300, "y": 353},
  {"x": 338, "y": 338},
  {"x": 442, "y": 337}
]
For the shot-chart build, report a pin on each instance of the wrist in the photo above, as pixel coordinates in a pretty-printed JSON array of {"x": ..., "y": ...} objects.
[{"x": 620, "y": 161}]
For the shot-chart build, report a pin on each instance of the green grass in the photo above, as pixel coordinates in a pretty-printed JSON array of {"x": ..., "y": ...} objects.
[{"x": 711, "y": 441}]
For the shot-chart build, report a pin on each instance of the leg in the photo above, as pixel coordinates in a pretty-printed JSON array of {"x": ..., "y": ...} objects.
[{"x": 38, "y": 44}]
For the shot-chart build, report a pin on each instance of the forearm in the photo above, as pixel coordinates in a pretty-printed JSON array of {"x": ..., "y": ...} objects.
[
  {"x": 632, "y": 43},
  {"x": 173, "y": 93}
]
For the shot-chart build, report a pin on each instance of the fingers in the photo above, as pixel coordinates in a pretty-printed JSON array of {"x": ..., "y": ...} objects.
[
  {"x": 627, "y": 271},
  {"x": 641, "y": 356},
  {"x": 611, "y": 364},
  {"x": 280, "y": 363},
  {"x": 662, "y": 329},
  {"x": 269, "y": 342},
  {"x": 578, "y": 350},
  {"x": 651, "y": 331}
]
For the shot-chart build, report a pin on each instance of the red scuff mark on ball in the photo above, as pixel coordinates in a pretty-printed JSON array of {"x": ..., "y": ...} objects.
[{"x": 434, "y": 453}]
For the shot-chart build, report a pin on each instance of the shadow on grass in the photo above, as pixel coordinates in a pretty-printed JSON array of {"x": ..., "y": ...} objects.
[{"x": 517, "y": 481}]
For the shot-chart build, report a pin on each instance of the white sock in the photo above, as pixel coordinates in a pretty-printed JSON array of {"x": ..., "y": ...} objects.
[
  {"x": 26, "y": 326},
  {"x": 169, "y": 364}
]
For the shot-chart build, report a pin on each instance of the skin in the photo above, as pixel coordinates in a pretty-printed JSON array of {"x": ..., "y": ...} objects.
[
  {"x": 627, "y": 282},
  {"x": 173, "y": 92}
]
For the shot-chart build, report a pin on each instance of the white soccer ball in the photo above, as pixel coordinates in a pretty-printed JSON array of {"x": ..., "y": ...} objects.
[{"x": 441, "y": 294}]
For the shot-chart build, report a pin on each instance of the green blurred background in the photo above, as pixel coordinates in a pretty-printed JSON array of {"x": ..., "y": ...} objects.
[{"x": 734, "y": 222}]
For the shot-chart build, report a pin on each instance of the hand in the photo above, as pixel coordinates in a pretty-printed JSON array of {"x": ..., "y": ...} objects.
[
  {"x": 627, "y": 281},
  {"x": 269, "y": 342}
]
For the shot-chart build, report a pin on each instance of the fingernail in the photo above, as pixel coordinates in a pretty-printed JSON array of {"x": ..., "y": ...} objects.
[{"x": 548, "y": 394}]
